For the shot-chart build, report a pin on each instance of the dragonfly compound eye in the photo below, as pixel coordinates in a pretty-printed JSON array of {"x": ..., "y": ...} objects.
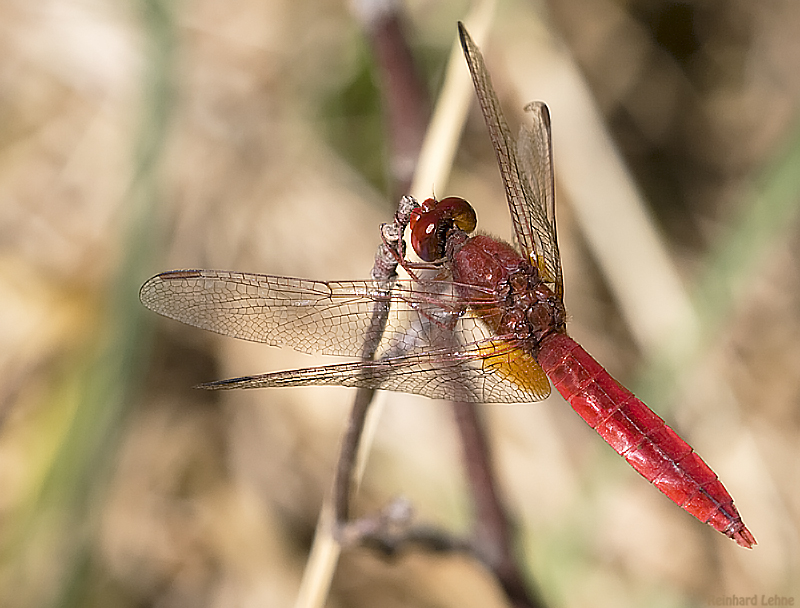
[{"x": 431, "y": 223}]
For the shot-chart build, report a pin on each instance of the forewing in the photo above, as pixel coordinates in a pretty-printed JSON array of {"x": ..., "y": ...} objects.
[
  {"x": 526, "y": 183},
  {"x": 329, "y": 317}
]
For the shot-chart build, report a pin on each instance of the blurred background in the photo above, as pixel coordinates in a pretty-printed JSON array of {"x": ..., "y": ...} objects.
[{"x": 144, "y": 136}]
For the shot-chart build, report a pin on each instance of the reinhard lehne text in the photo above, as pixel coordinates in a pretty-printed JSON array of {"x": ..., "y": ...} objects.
[{"x": 752, "y": 600}]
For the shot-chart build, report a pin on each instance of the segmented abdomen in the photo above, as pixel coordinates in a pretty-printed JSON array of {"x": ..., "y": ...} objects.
[{"x": 638, "y": 435}]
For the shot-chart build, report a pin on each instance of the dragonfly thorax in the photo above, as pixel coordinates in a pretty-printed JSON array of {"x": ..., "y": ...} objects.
[{"x": 518, "y": 304}]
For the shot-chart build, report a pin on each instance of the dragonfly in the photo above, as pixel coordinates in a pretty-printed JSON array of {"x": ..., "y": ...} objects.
[{"x": 479, "y": 320}]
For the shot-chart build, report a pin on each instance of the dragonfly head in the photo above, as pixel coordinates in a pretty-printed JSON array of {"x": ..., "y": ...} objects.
[{"x": 432, "y": 222}]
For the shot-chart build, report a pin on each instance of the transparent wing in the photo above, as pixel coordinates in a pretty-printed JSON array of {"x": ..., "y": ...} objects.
[
  {"x": 535, "y": 160},
  {"x": 431, "y": 345},
  {"x": 526, "y": 169},
  {"x": 329, "y": 317},
  {"x": 509, "y": 375}
]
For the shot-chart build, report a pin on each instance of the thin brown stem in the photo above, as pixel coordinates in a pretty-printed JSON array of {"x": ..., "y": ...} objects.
[
  {"x": 403, "y": 94},
  {"x": 384, "y": 273},
  {"x": 493, "y": 531},
  {"x": 347, "y": 455}
]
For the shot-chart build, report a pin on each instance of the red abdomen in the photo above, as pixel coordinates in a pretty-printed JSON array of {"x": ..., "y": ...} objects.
[{"x": 640, "y": 436}]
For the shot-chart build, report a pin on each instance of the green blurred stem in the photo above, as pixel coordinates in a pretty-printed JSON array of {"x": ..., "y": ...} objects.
[{"x": 103, "y": 383}]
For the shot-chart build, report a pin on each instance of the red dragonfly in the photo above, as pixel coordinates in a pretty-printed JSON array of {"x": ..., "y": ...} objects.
[{"x": 489, "y": 326}]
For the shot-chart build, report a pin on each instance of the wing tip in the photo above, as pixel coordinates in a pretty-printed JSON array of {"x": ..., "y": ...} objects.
[
  {"x": 147, "y": 288},
  {"x": 542, "y": 109},
  {"x": 220, "y": 385},
  {"x": 464, "y": 37}
]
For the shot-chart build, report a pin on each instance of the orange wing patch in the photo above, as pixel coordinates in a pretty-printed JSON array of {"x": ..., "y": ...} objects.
[{"x": 516, "y": 366}]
